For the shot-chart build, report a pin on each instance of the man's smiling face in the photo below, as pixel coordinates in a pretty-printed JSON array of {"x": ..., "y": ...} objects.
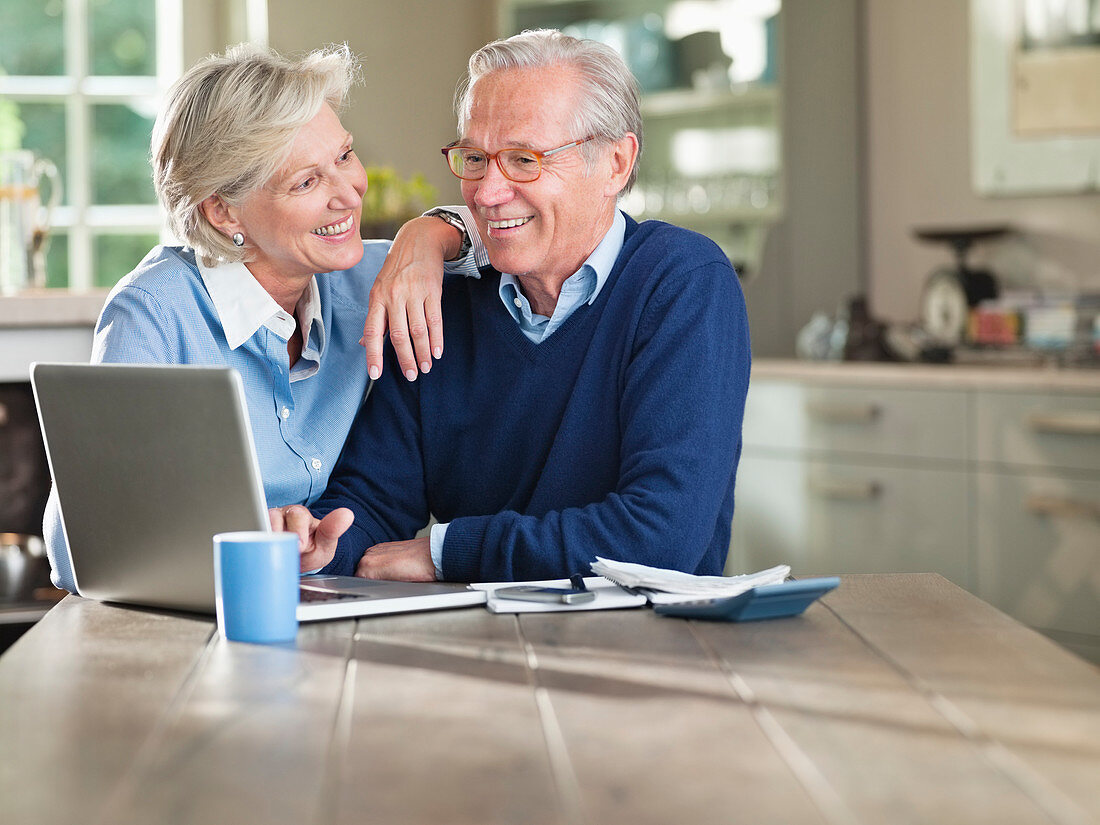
[{"x": 546, "y": 228}]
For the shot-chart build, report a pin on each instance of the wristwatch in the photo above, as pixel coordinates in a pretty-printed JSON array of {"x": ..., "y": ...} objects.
[{"x": 456, "y": 221}]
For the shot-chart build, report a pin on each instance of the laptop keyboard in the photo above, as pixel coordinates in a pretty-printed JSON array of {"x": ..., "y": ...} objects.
[{"x": 307, "y": 595}]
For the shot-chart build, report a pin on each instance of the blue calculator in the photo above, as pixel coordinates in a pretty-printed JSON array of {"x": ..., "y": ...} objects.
[{"x": 769, "y": 601}]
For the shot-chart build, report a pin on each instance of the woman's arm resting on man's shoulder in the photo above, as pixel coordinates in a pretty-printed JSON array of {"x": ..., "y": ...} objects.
[{"x": 406, "y": 293}]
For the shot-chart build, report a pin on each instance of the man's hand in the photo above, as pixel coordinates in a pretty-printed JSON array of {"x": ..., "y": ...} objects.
[
  {"x": 316, "y": 537},
  {"x": 406, "y": 296},
  {"x": 408, "y": 561}
]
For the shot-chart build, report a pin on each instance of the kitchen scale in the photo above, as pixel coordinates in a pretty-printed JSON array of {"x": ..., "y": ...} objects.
[{"x": 950, "y": 292}]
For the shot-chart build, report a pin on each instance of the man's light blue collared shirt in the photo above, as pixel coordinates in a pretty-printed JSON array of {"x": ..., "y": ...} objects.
[{"x": 582, "y": 287}]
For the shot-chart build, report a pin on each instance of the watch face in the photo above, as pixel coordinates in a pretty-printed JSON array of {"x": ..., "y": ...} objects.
[{"x": 944, "y": 309}]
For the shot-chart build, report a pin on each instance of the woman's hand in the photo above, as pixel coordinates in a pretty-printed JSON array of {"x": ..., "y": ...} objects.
[{"x": 406, "y": 297}]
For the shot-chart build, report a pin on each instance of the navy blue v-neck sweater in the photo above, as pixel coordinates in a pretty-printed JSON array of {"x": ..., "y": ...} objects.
[{"x": 618, "y": 436}]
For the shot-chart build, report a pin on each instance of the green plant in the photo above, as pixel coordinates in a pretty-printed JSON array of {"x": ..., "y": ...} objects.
[
  {"x": 11, "y": 126},
  {"x": 391, "y": 198}
]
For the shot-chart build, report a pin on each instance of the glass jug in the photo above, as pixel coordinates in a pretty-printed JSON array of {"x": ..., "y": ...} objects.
[{"x": 24, "y": 219}]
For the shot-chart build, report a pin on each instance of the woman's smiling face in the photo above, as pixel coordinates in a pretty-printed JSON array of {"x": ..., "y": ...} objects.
[{"x": 305, "y": 220}]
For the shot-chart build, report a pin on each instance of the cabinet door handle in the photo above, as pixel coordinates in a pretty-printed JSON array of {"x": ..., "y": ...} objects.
[
  {"x": 1066, "y": 423},
  {"x": 844, "y": 489},
  {"x": 1061, "y": 507},
  {"x": 834, "y": 413}
]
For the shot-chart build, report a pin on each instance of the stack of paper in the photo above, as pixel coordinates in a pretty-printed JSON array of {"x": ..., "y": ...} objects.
[{"x": 671, "y": 586}]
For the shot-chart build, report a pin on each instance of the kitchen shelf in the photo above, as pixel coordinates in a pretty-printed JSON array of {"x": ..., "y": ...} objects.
[
  {"x": 683, "y": 102},
  {"x": 703, "y": 133},
  {"x": 713, "y": 217}
]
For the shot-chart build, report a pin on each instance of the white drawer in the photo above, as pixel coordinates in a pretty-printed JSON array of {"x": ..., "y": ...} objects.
[
  {"x": 826, "y": 517},
  {"x": 1039, "y": 549},
  {"x": 918, "y": 423},
  {"x": 1057, "y": 431}
]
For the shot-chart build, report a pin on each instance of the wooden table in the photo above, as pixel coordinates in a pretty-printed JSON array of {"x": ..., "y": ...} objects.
[{"x": 899, "y": 698}]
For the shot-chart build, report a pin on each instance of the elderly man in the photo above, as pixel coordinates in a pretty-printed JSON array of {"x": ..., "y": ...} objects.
[{"x": 591, "y": 396}]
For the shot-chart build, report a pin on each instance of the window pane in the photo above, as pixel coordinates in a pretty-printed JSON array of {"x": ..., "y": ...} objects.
[
  {"x": 121, "y": 36},
  {"x": 117, "y": 255},
  {"x": 120, "y": 156},
  {"x": 45, "y": 136},
  {"x": 31, "y": 37},
  {"x": 57, "y": 260}
]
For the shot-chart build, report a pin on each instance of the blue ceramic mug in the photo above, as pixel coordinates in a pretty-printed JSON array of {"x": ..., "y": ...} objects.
[{"x": 256, "y": 586}]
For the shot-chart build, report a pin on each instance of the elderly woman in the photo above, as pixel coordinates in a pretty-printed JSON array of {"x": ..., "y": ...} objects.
[{"x": 259, "y": 178}]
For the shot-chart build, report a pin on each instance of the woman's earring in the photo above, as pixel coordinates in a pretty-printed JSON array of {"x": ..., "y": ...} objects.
[{"x": 238, "y": 239}]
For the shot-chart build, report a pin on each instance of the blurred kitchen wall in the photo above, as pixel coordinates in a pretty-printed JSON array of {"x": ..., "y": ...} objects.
[
  {"x": 413, "y": 54},
  {"x": 876, "y": 141},
  {"x": 917, "y": 167}
]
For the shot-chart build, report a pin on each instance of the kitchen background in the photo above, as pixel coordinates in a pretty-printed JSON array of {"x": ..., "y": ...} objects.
[
  {"x": 810, "y": 139},
  {"x": 863, "y": 110},
  {"x": 875, "y": 117}
]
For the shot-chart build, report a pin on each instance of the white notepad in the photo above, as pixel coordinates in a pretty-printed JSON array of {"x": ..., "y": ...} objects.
[{"x": 609, "y": 596}]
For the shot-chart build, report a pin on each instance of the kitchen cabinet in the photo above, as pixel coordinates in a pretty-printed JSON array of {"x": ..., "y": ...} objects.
[
  {"x": 820, "y": 515},
  {"x": 710, "y": 105},
  {"x": 1038, "y": 510},
  {"x": 851, "y": 474},
  {"x": 988, "y": 477},
  {"x": 37, "y": 325}
]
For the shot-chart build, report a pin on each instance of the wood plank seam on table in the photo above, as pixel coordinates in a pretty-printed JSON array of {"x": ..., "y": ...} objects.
[
  {"x": 96, "y": 690},
  {"x": 828, "y": 801},
  {"x": 653, "y": 726},
  {"x": 237, "y": 707},
  {"x": 444, "y": 725},
  {"x": 124, "y": 791},
  {"x": 876, "y": 739},
  {"x": 327, "y": 807},
  {"x": 565, "y": 777},
  {"x": 1045, "y": 795}
]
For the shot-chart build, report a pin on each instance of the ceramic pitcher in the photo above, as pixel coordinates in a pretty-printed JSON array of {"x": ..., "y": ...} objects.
[{"x": 24, "y": 218}]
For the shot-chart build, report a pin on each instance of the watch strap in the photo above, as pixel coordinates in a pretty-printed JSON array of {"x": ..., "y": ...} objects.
[{"x": 455, "y": 220}]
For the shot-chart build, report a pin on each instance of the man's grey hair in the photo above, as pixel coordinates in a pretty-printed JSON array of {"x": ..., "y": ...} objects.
[
  {"x": 608, "y": 105},
  {"x": 228, "y": 125}
]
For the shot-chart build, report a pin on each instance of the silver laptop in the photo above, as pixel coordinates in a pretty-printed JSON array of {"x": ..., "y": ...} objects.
[{"x": 149, "y": 463}]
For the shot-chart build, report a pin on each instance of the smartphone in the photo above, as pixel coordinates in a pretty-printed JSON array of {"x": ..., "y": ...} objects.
[
  {"x": 532, "y": 593},
  {"x": 769, "y": 601}
]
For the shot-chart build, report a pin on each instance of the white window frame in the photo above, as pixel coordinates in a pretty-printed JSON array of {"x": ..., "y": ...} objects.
[{"x": 79, "y": 218}]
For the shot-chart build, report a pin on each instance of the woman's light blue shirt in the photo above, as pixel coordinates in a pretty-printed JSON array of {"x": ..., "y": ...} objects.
[{"x": 172, "y": 310}]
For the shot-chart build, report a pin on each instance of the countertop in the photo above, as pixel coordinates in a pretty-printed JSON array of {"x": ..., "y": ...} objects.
[
  {"x": 51, "y": 308},
  {"x": 922, "y": 376},
  {"x": 41, "y": 310}
]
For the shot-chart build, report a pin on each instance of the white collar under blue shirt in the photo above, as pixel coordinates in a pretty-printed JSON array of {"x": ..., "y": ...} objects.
[
  {"x": 581, "y": 287},
  {"x": 244, "y": 306}
]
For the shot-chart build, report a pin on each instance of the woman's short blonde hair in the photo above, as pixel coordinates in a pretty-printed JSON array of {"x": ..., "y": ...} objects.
[{"x": 228, "y": 125}]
